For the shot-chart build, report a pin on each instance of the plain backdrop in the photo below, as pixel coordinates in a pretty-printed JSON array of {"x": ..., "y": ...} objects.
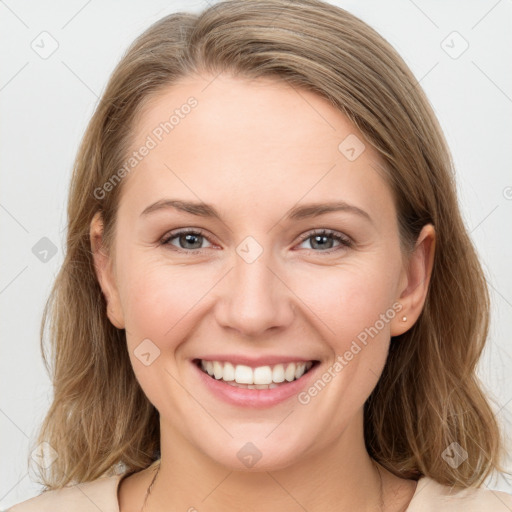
[{"x": 460, "y": 52}]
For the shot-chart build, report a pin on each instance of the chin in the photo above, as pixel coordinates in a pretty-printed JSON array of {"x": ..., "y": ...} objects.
[{"x": 248, "y": 457}]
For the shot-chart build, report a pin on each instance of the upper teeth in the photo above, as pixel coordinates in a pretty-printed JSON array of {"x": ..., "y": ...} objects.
[{"x": 260, "y": 375}]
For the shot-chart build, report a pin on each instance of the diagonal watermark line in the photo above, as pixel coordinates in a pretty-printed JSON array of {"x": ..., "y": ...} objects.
[
  {"x": 500, "y": 475},
  {"x": 424, "y": 76},
  {"x": 217, "y": 486},
  {"x": 88, "y": 497},
  {"x": 301, "y": 300},
  {"x": 26, "y": 474},
  {"x": 286, "y": 491},
  {"x": 13, "y": 13},
  {"x": 498, "y": 292},
  {"x": 279, "y": 423},
  {"x": 12, "y": 280},
  {"x": 304, "y": 99},
  {"x": 503, "y": 407},
  {"x": 424, "y": 14},
  {"x": 492, "y": 81},
  {"x": 199, "y": 403},
  {"x": 14, "y": 218},
  {"x": 13, "y": 423},
  {"x": 496, "y": 495},
  {"x": 506, "y": 479},
  {"x": 281, "y": 13},
  {"x": 76, "y": 14},
  {"x": 211, "y": 81},
  {"x": 485, "y": 15},
  {"x": 79, "y": 79},
  {"x": 376, "y": 374},
  {"x": 13, "y": 487},
  {"x": 197, "y": 302},
  {"x": 14, "y": 76},
  {"x": 485, "y": 218}
]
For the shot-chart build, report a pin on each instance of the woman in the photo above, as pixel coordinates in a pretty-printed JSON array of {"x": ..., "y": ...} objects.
[{"x": 269, "y": 299}]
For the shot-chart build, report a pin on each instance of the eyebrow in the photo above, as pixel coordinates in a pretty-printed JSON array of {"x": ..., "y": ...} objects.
[{"x": 296, "y": 213}]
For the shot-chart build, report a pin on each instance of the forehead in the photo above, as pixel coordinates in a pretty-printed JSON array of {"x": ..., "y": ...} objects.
[{"x": 250, "y": 144}]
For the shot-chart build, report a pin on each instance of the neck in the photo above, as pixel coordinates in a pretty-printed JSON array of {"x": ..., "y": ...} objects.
[{"x": 338, "y": 476}]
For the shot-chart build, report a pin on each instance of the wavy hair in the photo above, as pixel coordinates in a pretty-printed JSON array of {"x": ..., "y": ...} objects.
[{"x": 428, "y": 395}]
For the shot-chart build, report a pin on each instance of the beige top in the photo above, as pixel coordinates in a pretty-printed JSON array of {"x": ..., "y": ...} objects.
[{"x": 101, "y": 495}]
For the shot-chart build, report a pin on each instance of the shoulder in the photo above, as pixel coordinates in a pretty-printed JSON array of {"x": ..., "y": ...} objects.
[
  {"x": 99, "y": 494},
  {"x": 433, "y": 496}
]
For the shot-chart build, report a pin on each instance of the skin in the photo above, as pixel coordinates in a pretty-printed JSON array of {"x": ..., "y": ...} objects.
[{"x": 255, "y": 149}]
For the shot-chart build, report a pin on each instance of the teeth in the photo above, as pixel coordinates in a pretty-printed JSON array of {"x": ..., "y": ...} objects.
[
  {"x": 289, "y": 373},
  {"x": 244, "y": 374},
  {"x": 217, "y": 370},
  {"x": 278, "y": 373},
  {"x": 262, "y": 377},
  {"x": 300, "y": 369},
  {"x": 228, "y": 372},
  {"x": 253, "y": 386}
]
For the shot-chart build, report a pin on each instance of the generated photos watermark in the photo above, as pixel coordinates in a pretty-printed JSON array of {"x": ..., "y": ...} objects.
[
  {"x": 152, "y": 140},
  {"x": 342, "y": 360}
]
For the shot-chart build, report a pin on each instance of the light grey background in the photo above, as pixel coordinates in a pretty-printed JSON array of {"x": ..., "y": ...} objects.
[{"x": 46, "y": 102}]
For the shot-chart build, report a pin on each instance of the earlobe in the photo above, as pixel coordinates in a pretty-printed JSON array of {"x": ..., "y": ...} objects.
[
  {"x": 417, "y": 279},
  {"x": 104, "y": 274}
]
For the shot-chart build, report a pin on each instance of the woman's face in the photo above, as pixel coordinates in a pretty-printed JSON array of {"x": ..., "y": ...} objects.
[{"x": 255, "y": 284}]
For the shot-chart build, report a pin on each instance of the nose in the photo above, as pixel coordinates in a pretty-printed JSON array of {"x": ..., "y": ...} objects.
[{"x": 255, "y": 298}]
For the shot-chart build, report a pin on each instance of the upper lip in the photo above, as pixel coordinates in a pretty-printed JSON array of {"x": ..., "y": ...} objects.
[{"x": 254, "y": 362}]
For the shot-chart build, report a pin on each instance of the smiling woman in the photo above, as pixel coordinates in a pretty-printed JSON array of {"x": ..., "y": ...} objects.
[{"x": 278, "y": 306}]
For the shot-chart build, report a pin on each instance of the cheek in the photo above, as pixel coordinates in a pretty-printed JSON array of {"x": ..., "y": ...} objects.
[
  {"x": 159, "y": 298},
  {"x": 158, "y": 306},
  {"x": 353, "y": 309},
  {"x": 343, "y": 301},
  {"x": 340, "y": 306},
  {"x": 351, "y": 297}
]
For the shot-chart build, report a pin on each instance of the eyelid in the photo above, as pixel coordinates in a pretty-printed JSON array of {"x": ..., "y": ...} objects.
[
  {"x": 184, "y": 231},
  {"x": 344, "y": 240},
  {"x": 324, "y": 231}
]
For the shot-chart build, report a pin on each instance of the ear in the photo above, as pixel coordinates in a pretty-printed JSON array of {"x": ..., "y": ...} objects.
[
  {"x": 415, "y": 281},
  {"x": 103, "y": 267}
]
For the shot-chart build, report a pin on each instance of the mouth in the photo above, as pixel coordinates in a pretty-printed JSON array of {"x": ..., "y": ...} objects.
[{"x": 259, "y": 377}]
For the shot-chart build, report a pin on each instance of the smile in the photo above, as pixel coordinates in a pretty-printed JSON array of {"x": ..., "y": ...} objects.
[{"x": 260, "y": 377}]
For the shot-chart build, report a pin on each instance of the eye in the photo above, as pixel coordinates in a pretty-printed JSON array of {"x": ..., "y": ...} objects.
[
  {"x": 323, "y": 239},
  {"x": 187, "y": 240}
]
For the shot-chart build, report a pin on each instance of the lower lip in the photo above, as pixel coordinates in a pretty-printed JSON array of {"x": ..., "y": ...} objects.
[{"x": 255, "y": 398}]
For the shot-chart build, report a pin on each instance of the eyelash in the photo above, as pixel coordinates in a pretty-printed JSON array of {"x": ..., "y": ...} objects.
[{"x": 345, "y": 242}]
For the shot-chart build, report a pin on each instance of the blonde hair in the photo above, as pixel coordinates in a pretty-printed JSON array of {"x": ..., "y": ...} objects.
[{"x": 428, "y": 395}]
